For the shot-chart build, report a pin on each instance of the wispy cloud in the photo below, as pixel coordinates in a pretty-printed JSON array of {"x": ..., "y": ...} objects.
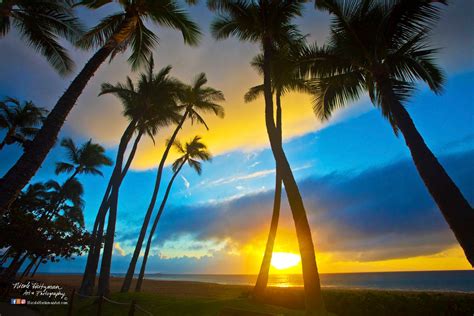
[{"x": 186, "y": 182}]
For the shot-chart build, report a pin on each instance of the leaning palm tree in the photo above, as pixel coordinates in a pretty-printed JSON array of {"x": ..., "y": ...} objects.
[
  {"x": 150, "y": 105},
  {"x": 387, "y": 64},
  {"x": 86, "y": 159},
  {"x": 40, "y": 23},
  {"x": 111, "y": 36},
  {"x": 285, "y": 78},
  {"x": 192, "y": 153},
  {"x": 20, "y": 121},
  {"x": 196, "y": 100},
  {"x": 269, "y": 23}
]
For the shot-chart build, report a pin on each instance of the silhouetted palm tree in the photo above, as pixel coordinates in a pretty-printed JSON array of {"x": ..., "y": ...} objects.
[
  {"x": 149, "y": 106},
  {"x": 192, "y": 153},
  {"x": 40, "y": 23},
  {"x": 387, "y": 63},
  {"x": 285, "y": 78},
  {"x": 196, "y": 100},
  {"x": 85, "y": 159},
  {"x": 113, "y": 35},
  {"x": 269, "y": 23},
  {"x": 21, "y": 121}
]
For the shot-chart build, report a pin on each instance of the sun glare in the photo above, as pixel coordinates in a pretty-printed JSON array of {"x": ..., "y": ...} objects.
[{"x": 285, "y": 260}]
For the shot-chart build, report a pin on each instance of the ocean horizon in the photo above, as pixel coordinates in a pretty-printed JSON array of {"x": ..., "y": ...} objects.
[{"x": 451, "y": 281}]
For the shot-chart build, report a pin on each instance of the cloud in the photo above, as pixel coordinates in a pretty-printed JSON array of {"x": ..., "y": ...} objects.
[
  {"x": 377, "y": 214},
  {"x": 118, "y": 249},
  {"x": 186, "y": 182}
]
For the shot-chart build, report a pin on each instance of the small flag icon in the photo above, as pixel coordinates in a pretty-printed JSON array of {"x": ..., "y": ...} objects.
[
  {"x": 23, "y": 301},
  {"x": 13, "y": 301},
  {"x": 18, "y": 301}
]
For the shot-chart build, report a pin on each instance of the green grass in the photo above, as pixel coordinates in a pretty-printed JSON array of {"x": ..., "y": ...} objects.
[
  {"x": 168, "y": 306},
  {"x": 287, "y": 302}
]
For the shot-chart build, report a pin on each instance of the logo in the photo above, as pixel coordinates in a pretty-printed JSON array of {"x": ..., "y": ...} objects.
[{"x": 17, "y": 301}]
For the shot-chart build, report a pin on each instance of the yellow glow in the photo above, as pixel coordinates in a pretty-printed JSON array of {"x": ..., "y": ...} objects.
[{"x": 285, "y": 260}]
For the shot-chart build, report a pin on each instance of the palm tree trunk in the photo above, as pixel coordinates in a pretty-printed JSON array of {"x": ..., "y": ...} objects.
[
  {"x": 262, "y": 279},
  {"x": 5, "y": 256},
  {"x": 141, "y": 237},
  {"x": 453, "y": 205},
  {"x": 36, "y": 268},
  {"x": 33, "y": 156},
  {"x": 14, "y": 266},
  {"x": 313, "y": 298},
  {"x": 28, "y": 268},
  {"x": 88, "y": 279},
  {"x": 104, "y": 278},
  {"x": 153, "y": 228}
]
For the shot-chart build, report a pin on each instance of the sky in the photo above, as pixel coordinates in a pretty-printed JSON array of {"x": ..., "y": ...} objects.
[{"x": 367, "y": 206}]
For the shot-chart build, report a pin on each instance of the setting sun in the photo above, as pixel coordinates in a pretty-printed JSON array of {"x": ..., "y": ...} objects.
[{"x": 284, "y": 260}]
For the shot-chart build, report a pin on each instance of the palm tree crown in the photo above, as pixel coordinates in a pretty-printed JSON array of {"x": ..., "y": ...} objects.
[
  {"x": 192, "y": 153},
  {"x": 134, "y": 33},
  {"x": 256, "y": 20},
  {"x": 20, "y": 120},
  {"x": 357, "y": 58},
  {"x": 197, "y": 97},
  {"x": 85, "y": 159},
  {"x": 285, "y": 69},
  {"x": 40, "y": 23},
  {"x": 152, "y": 102}
]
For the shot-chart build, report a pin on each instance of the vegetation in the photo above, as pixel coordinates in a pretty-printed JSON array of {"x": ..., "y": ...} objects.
[
  {"x": 20, "y": 121},
  {"x": 86, "y": 159},
  {"x": 195, "y": 100},
  {"x": 52, "y": 214},
  {"x": 269, "y": 24},
  {"x": 40, "y": 23},
  {"x": 111, "y": 36},
  {"x": 192, "y": 153},
  {"x": 284, "y": 301},
  {"x": 376, "y": 47},
  {"x": 285, "y": 78},
  {"x": 387, "y": 64}
]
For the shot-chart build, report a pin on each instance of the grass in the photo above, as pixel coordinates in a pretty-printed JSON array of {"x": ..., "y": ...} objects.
[
  {"x": 179, "y": 298},
  {"x": 168, "y": 306},
  {"x": 339, "y": 302}
]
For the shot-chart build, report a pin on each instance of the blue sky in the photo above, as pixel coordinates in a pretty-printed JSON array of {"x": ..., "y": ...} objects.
[{"x": 356, "y": 176}]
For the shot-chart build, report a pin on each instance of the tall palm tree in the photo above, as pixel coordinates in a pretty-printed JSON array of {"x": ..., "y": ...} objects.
[
  {"x": 269, "y": 23},
  {"x": 111, "y": 36},
  {"x": 21, "y": 121},
  {"x": 285, "y": 78},
  {"x": 40, "y": 23},
  {"x": 196, "y": 100},
  {"x": 192, "y": 153},
  {"x": 154, "y": 106},
  {"x": 387, "y": 64},
  {"x": 85, "y": 159}
]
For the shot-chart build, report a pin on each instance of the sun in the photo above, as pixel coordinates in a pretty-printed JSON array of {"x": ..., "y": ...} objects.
[{"x": 285, "y": 260}]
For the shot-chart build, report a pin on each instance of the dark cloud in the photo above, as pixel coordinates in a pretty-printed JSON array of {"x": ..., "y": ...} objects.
[{"x": 378, "y": 214}]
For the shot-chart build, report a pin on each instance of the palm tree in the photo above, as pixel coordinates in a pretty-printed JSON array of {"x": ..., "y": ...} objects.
[
  {"x": 268, "y": 22},
  {"x": 111, "y": 36},
  {"x": 21, "y": 121},
  {"x": 387, "y": 63},
  {"x": 192, "y": 153},
  {"x": 196, "y": 100},
  {"x": 85, "y": 159},
  {"x": 153, "y": 106},
  {"x": 285, "y": 78},
  {"x": 40, "y": 23}
]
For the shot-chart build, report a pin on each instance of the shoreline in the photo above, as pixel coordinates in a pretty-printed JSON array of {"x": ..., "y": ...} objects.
[
  {"x": 201, "y": 279},
  {"x": 163, "y": 297}
]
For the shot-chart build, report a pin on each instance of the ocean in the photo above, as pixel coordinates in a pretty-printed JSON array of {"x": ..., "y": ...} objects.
[{"x": 454, "y": 281}]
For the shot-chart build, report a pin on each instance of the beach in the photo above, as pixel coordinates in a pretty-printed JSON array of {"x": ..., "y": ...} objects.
[{"x": 200, "y": 298}]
